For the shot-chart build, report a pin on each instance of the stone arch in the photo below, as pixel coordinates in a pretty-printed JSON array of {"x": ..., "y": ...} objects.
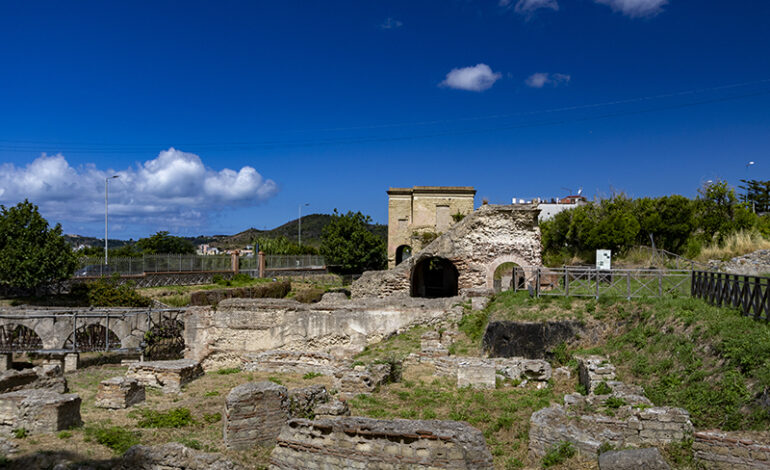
[
  {"x": 93, "y": 336},
  {"x": 19, "y": 337},
  {"x": 434, "y": 277},
  {"x": 492, "y": 267},
  {"x": 403, "y": 253}
]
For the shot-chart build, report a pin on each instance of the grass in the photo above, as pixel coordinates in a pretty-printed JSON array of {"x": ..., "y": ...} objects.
[
  {"x": 396, "y": 348},
  {"x": 116, "y": 438},
  {"x": 558, "y": 454},
  {"x": 174, "y": 418},
  {"x": 736, "y": 244}
]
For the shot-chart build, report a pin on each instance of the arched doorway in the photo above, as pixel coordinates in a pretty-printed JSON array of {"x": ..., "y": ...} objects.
[
  {"x": 434, "y": 277},
  {"x": 94, "y": 337},
  {"x": 403, "y": 253},
  {"x": 507, "y": 277}
]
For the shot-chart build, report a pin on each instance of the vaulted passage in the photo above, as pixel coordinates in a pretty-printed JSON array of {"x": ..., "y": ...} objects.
[
  {"x": 434, "y": 277},
  {"x": 403, "y": 253}
]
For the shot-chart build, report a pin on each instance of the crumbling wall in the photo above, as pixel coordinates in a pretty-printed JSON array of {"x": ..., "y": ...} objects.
[
  {"x": 476, "y": 246},
  {"x": 254, "y": 414},
  {"x": 726, "y": 450},
  {"x": 239, "y": 328},
  {"x": 377, "y": 444},
  {"x": 39, "y": 411},
  {"x": 173, "y": 456}
]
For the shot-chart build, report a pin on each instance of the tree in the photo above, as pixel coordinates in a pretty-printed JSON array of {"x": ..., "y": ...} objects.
[
  {"x": 347, "y": 243},
  {"x": 164, "y": 243},
  {"x": 32, "y": 254}
]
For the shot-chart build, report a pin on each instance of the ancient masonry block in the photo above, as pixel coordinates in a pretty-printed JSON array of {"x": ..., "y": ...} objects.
[
  {"x": 476, "y": 373},
  {"x": 635, "y": 424},
  {"x": 633, "y": 459},
  {"x": 303, "y": 401},
  {"x": 361, "y": 379},
  {"x": 169, "y": 376},
  {"x": 725, "y": 450},
  {"x": 44, "y": 377},
  {"x": 332, "y": 409},
  {"x": 593, "y": 370},
  {"x": 119, "y": 392},
  {"x": 365, "y": 443},
  {"x": 71, "y": 362},
  {"x": 173, "y": 456},
  {"x": 39, "y": 411},
  {"x": 294, "y": 362},
  {"x": 254, "y": 414},
  {"x": 431, "y": 345}
]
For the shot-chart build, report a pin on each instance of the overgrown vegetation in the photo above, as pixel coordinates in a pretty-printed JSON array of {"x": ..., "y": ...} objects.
[
  {"x": 349, "y": 245},
  {"x": 110, "y": 293},
  {"x": 674, "y": 223},
  {"x": 173, "y": 418},
  {"x": 114, "y": 437},
  {"x": 559, "y": 454}
]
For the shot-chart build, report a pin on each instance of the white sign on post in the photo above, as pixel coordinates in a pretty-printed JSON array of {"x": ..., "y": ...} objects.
[{"x": 603, "y": 260}]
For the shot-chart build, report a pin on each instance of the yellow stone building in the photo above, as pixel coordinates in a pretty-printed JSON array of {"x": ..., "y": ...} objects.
[{"x": 416, "y": 216}]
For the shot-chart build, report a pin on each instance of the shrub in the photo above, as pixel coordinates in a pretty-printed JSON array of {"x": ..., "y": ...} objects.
[
  {"x": 311, "y": 375},
  {"x": 558, "y": 454},
  {"x": 229, "y": 370},
  {"x": 212, "y": 418},
  {"x": 614, "y": 402},
  {"x": 309, "y": 296},
  {"x": 174, "y": 418},
  {"x": 116, "y": 438},
  {"x": 20, "y": 433},
  {"x": 273, "y": 290},
  {"x": 108, "y": 293},
  {"x": 602, "y": 389}
]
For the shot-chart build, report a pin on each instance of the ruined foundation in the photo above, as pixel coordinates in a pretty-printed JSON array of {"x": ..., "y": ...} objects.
[
  {"x": 169, "y": 376},
  {"x": 119, "y": 392},
  {"x": 365, "y": 443},
  {"x": 39, "y": 411},
  {"x": 254, "y": 414},
  {"x": 726, "y": 450}
]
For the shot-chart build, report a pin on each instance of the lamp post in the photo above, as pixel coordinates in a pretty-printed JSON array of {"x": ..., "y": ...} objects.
[
  {"x": 106, "y": 180},
  {"x": 299, "y": 227},
  {"x": 753, "y": 202}
]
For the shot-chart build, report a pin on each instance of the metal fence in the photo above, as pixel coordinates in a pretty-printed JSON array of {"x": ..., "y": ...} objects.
[
  {"x": 94, "y": 266},
  {"x": 750, "y": 294},
  {"x": 591, "y": 282}
]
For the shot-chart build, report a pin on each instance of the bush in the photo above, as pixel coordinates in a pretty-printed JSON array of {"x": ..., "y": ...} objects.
[
  {"x": 602, "y": 389},
  {"x": 174, "y": 418},
  {"x": 273, "y": 290},
  {"x": 229, "y": 370},
  {"x": 309, "y": 296},
  {"x": 108, "y": 293},
  {"x": 114, "y": 437}
]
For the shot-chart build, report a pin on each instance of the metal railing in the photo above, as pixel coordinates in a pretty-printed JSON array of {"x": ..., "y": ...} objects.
[
  {"x": 749, "y": 294},
  {"x": 591, "y": 282},
  {"x": 94, "y": 266}
]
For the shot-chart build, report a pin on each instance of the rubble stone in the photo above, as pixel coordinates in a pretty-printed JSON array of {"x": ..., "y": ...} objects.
[
  {"x": 47, "y": 376},
  {"x": 119, "y": 392},
  {"x": 39, "y": 411},
  {"x": 303, "y": 401},
  {"x": 364, "y": 443},
  {"x": 633, "y": 459},
  {"x": 476, "y": 373},
  {"x": 593, "y": 370},
  {"x": 296, "y": 362},
  {"x": 729, "y": 450},
  {"x": 332, "y": 409},
  {"x": 169, "y": 376},
  {"x": 361, "y": 379},
  {"x": 254, "y": 414},
  {"x": 173, "y": 456}
]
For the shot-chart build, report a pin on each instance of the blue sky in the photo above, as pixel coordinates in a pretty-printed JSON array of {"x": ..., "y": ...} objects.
[{"x": 220, "y": 116}]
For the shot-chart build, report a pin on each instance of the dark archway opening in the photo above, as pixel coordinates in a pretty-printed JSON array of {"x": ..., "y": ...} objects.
[
  {"x": 165, "y": 340},
  {"x": 19, "y": 338},
  {"x": 434, "y": 277},
  {"x": 403, "y": 253},
  {"x": 94, "y": 337}
]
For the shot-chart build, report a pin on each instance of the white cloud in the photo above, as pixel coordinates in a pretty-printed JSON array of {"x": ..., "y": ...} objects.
[
  {"x": 477, "y": 78},
  {"x": 173, "y": 189},
  {"x": 391, "y": 23},
  {"x": 539, "y": 80},
  {"x": 528, "y": 7},
  {"x": 635, "y": 8}
]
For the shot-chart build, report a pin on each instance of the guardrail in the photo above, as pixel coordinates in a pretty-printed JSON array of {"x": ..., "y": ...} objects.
[
  {"x": 591, "y": 282},
  {"x": 750, "y": 294}
]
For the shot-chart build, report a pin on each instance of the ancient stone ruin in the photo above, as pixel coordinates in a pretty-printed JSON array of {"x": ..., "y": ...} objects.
[
  {"x": 730, "y": 450},
  {"x": 254, "y": 414},
  {"x": 119, "y": 392},
  {"x": 463, "y": 258},
  {"x": 38, "y": 411},
  {"x": 169, "y": 376},
  {"x": 369, "y": 443},
  {"x": 47, "y": 377},
  {"x": 173, "y": 456}
]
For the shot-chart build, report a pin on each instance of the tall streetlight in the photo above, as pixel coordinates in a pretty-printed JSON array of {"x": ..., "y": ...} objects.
[
  {"x": 299, "y": 228},
  {"x": 753, "y": 202},
  {"x": 106, "y": 180}
]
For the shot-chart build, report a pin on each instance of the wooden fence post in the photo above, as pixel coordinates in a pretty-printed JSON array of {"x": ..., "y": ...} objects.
[{"x": 261, "y": 263}]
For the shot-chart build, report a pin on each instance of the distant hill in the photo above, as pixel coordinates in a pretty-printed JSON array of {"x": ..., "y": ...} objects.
[{"x": 312, "y": 225}]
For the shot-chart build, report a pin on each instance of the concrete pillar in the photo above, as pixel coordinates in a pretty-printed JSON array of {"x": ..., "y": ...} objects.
[
  {"x": 6, "y": 362},
  {"x": 261, "y": 263},
  {"x": 71, "y": 362},
  {"x": 234, "y": 262}
]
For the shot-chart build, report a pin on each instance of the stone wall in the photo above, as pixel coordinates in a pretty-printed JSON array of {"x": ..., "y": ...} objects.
[
  {"x": 476, "y": 246},
  {"x": 173, "y": 456},
  {"x": 294, "y": 362},
  {"x": 38, "y": 411},
  {"x": 239, "y": 328},
  {"x": 725, "y": 450},
  {"x": 169, "y": 376},
  {"x": 533, "y": 340},
  {"x": 365, "y": 443},
  {"x": 45, "y": 377},
  {"x": 254, "y": 414}
]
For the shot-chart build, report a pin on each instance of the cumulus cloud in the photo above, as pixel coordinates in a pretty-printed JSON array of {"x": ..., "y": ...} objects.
[
  {"x": 539, "y": 80},
  {"x": 528, "y": 7},
  {"x": 635, "y": 8},
  {"x": 477, "y": 78},
  {"x": 391, "y": 23},
  {"x": 175, "y": 188}
]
